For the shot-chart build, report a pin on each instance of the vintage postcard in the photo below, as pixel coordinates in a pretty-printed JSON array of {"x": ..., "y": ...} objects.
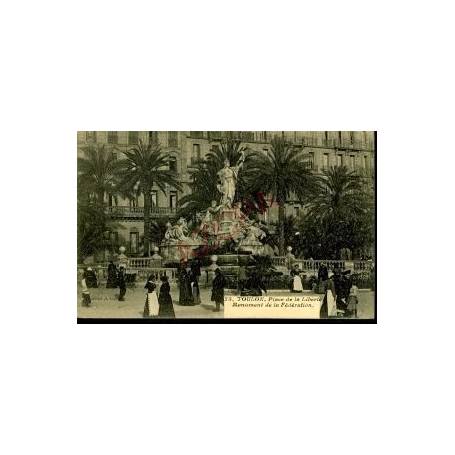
[{"x": 226, "y": 226}]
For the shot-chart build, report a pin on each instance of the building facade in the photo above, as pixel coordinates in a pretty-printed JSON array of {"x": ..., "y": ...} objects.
[{"x": 324, "y": 149}]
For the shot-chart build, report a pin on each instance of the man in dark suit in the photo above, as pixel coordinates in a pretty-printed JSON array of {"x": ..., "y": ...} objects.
[{"x": 121, "y": 283}]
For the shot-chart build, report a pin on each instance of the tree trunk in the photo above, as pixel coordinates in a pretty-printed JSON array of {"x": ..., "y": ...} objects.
[
  {"x": 281, "y": 228},
  {"x": 147, "y": 203},
  {"x": 100, "y": 197}
]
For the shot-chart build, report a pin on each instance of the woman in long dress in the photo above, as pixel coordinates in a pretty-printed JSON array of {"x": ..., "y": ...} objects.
[
  {"x": 166, "y": 309},
  {"x": 151, "y": 302},
  {"x": 185, "y": 294},
  {"x": 111, "y": 275},
  {"x": 193, "y": 277},
  {"x": 329, "y": 306},
  {"x": 296, "y": 281}
]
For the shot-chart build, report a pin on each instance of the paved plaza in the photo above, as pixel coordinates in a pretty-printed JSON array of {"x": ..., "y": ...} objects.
[{"x": 105, "y": 304}]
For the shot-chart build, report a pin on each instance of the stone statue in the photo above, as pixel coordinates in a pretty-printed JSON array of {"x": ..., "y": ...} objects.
[
  {"x": 228, "y": 181},
  {"x": 178, "y": 232},
  {"x": 209, "y": 221}
]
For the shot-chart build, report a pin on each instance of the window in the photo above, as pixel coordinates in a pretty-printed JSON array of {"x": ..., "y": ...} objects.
[
  {"x": 134, "y": 241},
  {"x": 173, "y": 164},
  {"x": 172, "y": 138},
  {"x": 351, "y": 137},
  {"x": 326, "y": 161},
  {"x": 173, "y": 200},
  {"x": 326, "y": 136},
  {"x": 154, "y": 196},
  {"x": 197, "y": 151},
  {"x": 311, "y": 160},
  {"x": 365, "y": 162},
  {"x": 133, "y": 137},
  {"x": 153, "y": 137},
  {"x": 352, "y": 161},
  {"x": 90, "y": 136},
  {"x": 265, "y": 149},
  {"x": 296, "y": 211},
  {"x": 339, "y": 137},
  {"x": 264, "y": 135},
  {"x": 339, "y": 160},
  {"x": 112, "y": 137}
]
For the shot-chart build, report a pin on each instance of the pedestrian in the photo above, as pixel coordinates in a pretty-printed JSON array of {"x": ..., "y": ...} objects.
[
  {"x": 151, "y": 301},
  {"x": 166, "y": 308},
  {"x": 185, "y": 292},
  {"x": 241, "y": 279},
  {"x": 121, "y": 283},
  {"x": 328, "y": 307},
  {"x": 111, "y": 275},
  {"x": 296, "y": 281},
  {"x": 219, "y": 282},
  {"x": 323, "y": 276},
  {"x": 86, "y": 301},
  {"x": 194, "y": 278}
]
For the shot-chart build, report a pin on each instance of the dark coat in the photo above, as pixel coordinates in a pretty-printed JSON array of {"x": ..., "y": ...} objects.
[
  {"x": 121, "y": 283},
  {"x": 193, "y": 277},
  {"x": 219, "y": 282},
  {"x": 185, "y": 294},
  {"x": 166, "y": 309},
  {"x": 150, "y": 286},
  {"x": 323, "y": 273},
  {"x": 111, "y": 276}
]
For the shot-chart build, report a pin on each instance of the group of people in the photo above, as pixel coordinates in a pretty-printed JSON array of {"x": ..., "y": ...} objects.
[
  {"x": 162, "y": 306},
  {"x": 189, "y": 292},
  {"x": 340, "y": 295},
  {"x": 116, "y": 278}
]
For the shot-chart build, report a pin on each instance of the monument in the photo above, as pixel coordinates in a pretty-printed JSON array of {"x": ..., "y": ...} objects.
[{"x": 221, "y": 222}]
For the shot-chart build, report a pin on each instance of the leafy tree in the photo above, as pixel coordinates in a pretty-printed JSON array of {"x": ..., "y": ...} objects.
[
  {"x": 93, "y": 226},
  {"x": 280, "y": 173},
  {"x": 96, "y": 173},
  {"x": 340, "y": 214},
  {"x": 144, "y": 166},
  {"x": 204, "y": 177}
]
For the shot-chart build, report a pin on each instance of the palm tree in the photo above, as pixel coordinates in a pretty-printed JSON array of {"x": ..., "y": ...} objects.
[
  {"x": 341, "y": 210},
  {"x": 96, "y": 173},
  {"x": 145, "y": 165},
  {"x": 204, "y": 176},
  {"x": 281, "y": 172}
]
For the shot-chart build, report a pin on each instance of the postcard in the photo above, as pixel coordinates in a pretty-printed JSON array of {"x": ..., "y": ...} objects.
[{"x": 226, "y": 226}]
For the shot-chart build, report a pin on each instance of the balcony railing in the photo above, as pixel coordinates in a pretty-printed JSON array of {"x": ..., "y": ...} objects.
[
  {"x": 138, "y": 212},
  {"x": 308, "y": 265}
]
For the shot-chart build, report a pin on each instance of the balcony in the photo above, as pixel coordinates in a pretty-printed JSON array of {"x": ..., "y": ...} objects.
[{"x": 138, "y": 212}]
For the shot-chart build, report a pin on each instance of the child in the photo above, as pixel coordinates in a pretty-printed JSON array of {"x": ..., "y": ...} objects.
[
  {"x": 353, "y": 300},
  {"x": 86, "y": 301}
]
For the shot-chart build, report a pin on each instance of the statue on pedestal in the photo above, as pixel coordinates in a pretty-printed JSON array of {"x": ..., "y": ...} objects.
[{"x": 227, "y": 178}]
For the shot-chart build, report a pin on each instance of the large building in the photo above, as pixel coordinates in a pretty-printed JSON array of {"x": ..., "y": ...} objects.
[{"x": 354, "y": 149}]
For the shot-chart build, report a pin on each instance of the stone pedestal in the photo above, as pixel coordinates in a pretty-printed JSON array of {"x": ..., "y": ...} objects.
[{"x": 227, "y": 218}]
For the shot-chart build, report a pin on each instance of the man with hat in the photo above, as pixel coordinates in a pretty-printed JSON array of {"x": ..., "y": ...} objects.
[{"x": 121, "y": 282}]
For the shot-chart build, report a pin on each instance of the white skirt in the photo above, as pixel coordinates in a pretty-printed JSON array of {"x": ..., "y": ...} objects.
[
  {"x": 297, "y": 284},
  {"x": 153, "y": 303},
  {"x": 331, "y": 304}
]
